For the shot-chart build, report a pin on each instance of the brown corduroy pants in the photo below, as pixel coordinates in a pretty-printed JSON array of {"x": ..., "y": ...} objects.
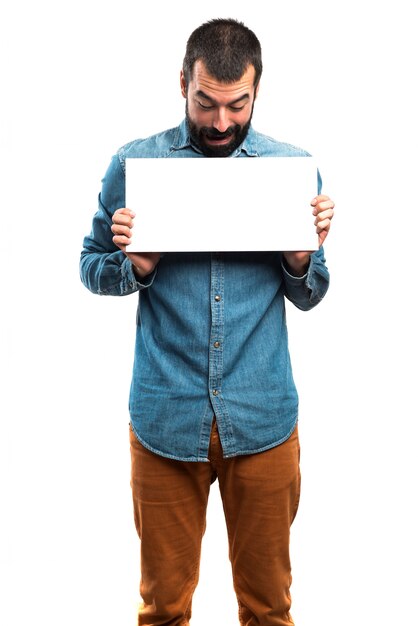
[{"x": 260, "y": 495}]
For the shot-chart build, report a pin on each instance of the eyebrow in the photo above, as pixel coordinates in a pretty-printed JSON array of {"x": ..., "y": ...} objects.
[{"x": 202, "y": 94}]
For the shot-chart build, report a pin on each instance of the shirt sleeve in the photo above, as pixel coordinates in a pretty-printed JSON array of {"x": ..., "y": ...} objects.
[
  {"x": 104, "y": 268},
  {"x": 307, "y": 291}
]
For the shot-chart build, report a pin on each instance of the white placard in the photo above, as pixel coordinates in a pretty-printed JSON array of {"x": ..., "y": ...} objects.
[{"x": 222, "y": 204}]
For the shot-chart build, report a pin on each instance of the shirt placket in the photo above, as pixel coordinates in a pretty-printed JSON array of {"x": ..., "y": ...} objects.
[
  {"x": 217, "y": 327},
  {"x": 216, "y": 349}
]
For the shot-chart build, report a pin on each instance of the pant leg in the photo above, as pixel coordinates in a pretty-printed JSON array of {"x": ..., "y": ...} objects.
[
  {"x": 260, "y": 494},
  {"x": 170, "y": 501}
]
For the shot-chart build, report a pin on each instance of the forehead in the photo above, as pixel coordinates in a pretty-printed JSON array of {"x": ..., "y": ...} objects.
[{"x": 203, "y": 81}]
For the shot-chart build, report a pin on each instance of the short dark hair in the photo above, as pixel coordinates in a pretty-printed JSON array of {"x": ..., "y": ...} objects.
[{"x": 226, "y": 47}]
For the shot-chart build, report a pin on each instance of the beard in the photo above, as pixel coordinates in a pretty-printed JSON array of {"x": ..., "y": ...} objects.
[{"x": 237, "y": 133}]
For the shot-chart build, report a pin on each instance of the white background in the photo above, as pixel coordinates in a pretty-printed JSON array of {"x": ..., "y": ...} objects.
[{"x": 83, "y": 78}]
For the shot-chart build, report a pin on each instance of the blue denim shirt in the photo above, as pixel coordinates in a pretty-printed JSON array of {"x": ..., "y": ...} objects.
[{"x": 211, "y": 336}]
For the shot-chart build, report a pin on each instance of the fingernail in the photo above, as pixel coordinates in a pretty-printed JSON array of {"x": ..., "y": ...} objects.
[{"x": 314, "y": 202}]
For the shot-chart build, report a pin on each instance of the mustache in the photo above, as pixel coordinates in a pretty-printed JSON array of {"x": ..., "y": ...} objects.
[{"x": 212, "y": 133}]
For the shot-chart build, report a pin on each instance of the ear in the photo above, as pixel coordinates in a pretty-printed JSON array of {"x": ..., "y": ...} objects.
[
  {"x": 183, "y": 84},
  {"x": 256, "y": 90}
]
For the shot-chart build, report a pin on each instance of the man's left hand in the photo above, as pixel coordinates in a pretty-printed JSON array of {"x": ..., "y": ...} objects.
[{"x": 323, "y": 209}]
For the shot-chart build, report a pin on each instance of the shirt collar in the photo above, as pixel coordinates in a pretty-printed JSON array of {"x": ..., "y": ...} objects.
[{"x": 182, "y": 140}]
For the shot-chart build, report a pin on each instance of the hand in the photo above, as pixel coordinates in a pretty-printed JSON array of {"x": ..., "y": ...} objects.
[
  {"x": 324, "y": 212},
  {"x": 143, "y": 262}
]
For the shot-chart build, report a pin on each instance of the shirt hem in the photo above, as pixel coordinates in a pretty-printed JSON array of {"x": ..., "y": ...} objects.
[
  {"x": 192, "y": 459},
  {"x": 264, "y": 448},
  {"x": 200, "y": 459}
]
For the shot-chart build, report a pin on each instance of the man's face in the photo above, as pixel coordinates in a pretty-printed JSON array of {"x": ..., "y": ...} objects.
[{"x": 218, "y": 114}]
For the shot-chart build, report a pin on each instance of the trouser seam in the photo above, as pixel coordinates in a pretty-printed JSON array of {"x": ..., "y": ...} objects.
[
  {"x": 228, "y": 530},
  {"x": 197, "y": 566}
]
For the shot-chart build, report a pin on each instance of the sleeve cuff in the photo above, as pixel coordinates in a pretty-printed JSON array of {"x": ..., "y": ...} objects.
[{"x": 295, "y": 280}]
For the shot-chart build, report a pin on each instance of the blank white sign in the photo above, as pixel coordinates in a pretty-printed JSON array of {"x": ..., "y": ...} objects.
[{"x": 222, "y": 204}]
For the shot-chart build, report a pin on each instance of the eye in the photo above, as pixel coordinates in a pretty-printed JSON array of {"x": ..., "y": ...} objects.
[
  {"x": 235, "y": 109},
  {"x": 204, "y": 106}
]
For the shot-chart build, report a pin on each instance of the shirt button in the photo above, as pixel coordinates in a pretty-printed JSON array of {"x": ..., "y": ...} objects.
[
  {"x": 215, "y": 392},
  {"x": 217, "y": 298},
  {"x": 216, "y": 344}
]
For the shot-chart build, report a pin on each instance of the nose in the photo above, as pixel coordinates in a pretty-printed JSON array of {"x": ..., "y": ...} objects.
[{"x": 220, "y": 120}]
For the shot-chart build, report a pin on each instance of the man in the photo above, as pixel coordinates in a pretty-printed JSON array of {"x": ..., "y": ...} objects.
[{"x": 212, "y": 392}]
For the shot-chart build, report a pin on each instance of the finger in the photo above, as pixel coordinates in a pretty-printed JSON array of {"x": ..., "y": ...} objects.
[
  {"x": 319, "y": 198},
  {"x": 123, "y": 218},
  {"x": 323, "y": 225},
  {"x": 121, "y": 241},
  {"x": 121, "y": 229},
  {"x": 329, "y": 214},
  {"x": 124, "y": 211},
  {"x": 323, "y": 206}
]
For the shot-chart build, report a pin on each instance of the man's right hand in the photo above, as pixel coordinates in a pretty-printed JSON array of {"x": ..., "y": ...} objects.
[{"x": 143, "y": 262}]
